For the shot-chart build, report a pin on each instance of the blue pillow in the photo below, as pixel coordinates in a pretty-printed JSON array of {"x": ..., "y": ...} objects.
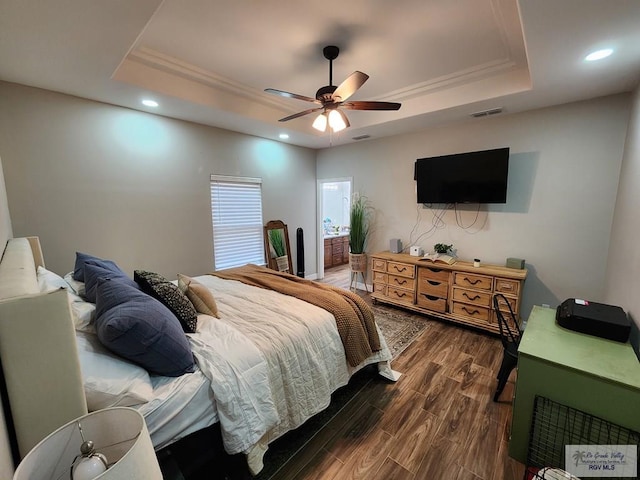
[
  {"x": 82, "y": 258},
  {"x": 93, "y": 271},
  {"x": 139, "y": 328}
]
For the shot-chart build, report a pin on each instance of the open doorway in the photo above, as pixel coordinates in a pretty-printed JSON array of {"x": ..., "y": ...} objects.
[{"x": 334, "y": 204}]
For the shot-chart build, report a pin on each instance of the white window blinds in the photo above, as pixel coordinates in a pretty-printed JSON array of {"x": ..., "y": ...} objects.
[{"x": 236, "y": 211}]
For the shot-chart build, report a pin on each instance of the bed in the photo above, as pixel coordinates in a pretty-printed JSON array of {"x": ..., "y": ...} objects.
[{"x": 272, "y": 360}]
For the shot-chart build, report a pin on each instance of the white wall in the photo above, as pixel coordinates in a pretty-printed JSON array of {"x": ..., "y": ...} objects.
[
  {"x": 134, "y": 187},
  {"x": 564, "y": 168},
  {"x": 623, "y": 268}
]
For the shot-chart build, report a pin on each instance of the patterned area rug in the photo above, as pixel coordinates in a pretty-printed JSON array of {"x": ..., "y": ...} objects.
[{"x": 400, "y": 328}]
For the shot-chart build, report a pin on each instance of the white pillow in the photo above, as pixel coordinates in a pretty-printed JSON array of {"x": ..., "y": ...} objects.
[
  {"x": 49, "y": 281},
  {"x": 110, "y": 381},
  {"x": 76, "y": 286},
  {"x": 83, "y": 311}
]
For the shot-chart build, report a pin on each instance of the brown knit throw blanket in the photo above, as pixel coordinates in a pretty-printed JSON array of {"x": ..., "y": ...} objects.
[{"x": 354, "y": 318}]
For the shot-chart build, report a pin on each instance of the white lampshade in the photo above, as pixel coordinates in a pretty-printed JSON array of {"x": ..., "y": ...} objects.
[
  {"x": 337, "y": 120},
  {"x": 119, "y": 433},
  {"x": 320, "y": 123}
]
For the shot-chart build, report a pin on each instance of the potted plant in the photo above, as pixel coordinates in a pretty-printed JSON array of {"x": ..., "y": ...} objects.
[
  {"x": 276, "y": 240},
  {"x": 359, "y": 219},
  {"x": 442, "y": 248}
]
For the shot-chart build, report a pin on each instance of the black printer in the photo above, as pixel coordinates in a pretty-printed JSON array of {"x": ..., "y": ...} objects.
[{"x": 598, "y": 319}]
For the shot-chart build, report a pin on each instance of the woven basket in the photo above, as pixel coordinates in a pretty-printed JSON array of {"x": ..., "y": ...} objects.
[
  {"x": 283, "y": 263},
  {"x": 358, "y": 262}
]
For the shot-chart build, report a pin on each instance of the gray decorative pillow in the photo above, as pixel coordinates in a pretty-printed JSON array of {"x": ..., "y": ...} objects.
[
  {"x": 83, "y": 258},
  {"x": 95, "y": 271},
  {"x": 169, "y": 295},
  {"x": 139, "y": 328}
]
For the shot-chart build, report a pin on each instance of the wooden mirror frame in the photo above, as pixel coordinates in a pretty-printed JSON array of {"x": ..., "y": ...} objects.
[{"x": 271, "y": 260}]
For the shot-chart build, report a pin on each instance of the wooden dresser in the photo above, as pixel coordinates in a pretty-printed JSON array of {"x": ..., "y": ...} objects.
[{"x": 459, "y": 292}]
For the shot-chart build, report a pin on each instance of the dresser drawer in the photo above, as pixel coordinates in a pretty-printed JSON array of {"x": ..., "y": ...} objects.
[
  {"x": 470, "y": 280},
  {"x": 472, "y": 311},
  {"x": 380, "y": 277},
  {"x": 401, "y": 282},
  {"x": 433, "y": 287},
  {"x": 472, "y": 296},
  {"x": 434, "y": 273},
  {"x": 402, "y": 269},
  {"x": 400, "y": 294},
  {"x": 507, "y": 285},
  {"x": 432, "y": 302},
  {"x": 512, "y": 301},
  {"x": 377, "y": 264},
  {"x": 380, "y": 288}
]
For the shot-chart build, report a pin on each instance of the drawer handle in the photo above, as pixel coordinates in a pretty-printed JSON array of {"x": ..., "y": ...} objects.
[
  {"x": 399, "y": 282},
  {"x": 401, "y": 294},
  {"x": 506, "y": 287},
  {"x": 473, "y": 282},
  {"x": 434, "y": 270},
  {"x": 472, "y": 312},
  {"x": 429, "y": 297},
  {"x": 431, "y": 282},
  {"x": 475, "y": 297},
  {"x": 403, "y": 269}
]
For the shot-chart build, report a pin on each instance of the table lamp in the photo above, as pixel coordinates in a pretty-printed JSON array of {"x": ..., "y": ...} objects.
[{"x": 108, "y": 444}]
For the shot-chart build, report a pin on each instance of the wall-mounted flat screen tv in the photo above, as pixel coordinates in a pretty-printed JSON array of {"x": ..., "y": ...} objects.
[{"x": 472, "y": 177}]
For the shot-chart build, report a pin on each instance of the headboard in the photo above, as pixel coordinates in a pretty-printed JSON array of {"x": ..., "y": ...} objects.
[{"x": 38, "y": 350}]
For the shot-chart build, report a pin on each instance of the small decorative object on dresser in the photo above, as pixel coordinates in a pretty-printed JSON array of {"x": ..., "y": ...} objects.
[
  {"x": 459, "y": 292},
  {"x": 442, "y": 248}
]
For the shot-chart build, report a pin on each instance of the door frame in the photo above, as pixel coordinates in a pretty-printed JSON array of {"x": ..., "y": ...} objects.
[{"x": 320, "y": 217}]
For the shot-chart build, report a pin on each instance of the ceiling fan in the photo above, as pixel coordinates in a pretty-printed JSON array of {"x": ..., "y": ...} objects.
[{"x": 332, "y": 99}]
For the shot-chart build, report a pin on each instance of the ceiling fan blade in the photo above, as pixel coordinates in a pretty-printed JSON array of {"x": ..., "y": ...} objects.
[
  {"x": 366, "y": 105},
  {"x": 349, "y": 86},
  {"x": 299, "y": 114},
  {"x": 291, "y": 95},
  {"x": 346, "y": 120}
]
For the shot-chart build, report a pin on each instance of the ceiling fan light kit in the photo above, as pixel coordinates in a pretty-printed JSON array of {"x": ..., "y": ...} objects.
[
  {"x": 320, "y": 123},
  {"x": 331, "y": 98}
]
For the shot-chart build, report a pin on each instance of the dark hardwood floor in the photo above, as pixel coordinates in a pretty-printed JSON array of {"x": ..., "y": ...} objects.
[{"x": 437, "y": 422}]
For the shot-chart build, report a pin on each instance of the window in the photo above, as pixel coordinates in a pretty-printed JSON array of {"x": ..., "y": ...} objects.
[{"x": 236, "y": 211}]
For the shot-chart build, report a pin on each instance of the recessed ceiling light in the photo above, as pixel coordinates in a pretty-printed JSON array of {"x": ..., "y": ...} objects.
[
  {"x": 599, "y": 54},
  {"x": 283, "y": 136},
  {"x": 150, "y": 103}
]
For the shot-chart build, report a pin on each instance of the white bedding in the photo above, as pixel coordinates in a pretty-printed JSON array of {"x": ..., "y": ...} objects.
[
  {"x": 269, "y": 363},
  {"x": 180, "y": 406},
  {"x": 300, "y": 342}
]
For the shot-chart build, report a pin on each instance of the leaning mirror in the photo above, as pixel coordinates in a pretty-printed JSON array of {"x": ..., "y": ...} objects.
[{"x": 276, "y": 246}]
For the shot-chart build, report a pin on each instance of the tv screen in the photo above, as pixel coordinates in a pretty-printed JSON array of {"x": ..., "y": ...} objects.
[{"x": 473, "y": 177}]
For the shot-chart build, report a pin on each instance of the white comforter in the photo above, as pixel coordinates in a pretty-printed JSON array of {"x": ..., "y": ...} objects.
[{"x": 273, "y": 362}]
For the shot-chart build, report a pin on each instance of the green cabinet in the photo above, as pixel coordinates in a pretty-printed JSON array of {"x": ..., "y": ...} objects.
[{"x": 598, "y": 376}]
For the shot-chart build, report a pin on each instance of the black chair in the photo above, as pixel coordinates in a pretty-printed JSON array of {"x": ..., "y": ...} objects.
[{"x": 509, "y": 336}]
